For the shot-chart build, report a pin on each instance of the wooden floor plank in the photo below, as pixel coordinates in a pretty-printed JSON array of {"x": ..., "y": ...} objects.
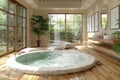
[
  {"x": 114, "y": 70},
  {"x": 97, "y": 74},
  {"x": 14, "y": 75},
  {"x": 26, "y": 77},
  {"x": 104, "y": 73},
  {"x": 104, "y": 58},
  {"x": 4, "y": 74},
  {"x": 111, "y": 73},
  {"x": 79, "y": 76},
  {"x": 90, "y": 76}
]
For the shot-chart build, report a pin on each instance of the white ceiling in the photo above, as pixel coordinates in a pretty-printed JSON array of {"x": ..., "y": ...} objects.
[{"x": 59, "y": 4}]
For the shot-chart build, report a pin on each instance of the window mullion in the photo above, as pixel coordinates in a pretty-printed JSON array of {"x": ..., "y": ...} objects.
[
  {"x": 7, "y": 27},
  {"x": 15, "y": 29},
  {"x": 65, "y": 28}
]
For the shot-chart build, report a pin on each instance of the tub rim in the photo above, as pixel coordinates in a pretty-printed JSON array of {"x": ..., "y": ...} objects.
[{"x": 49, "y": 71}]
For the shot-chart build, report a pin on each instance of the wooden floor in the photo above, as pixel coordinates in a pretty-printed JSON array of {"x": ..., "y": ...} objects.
[{"x": 106, "y": 69}]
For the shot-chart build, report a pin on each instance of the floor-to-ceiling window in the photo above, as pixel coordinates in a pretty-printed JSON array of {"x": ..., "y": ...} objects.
[
  {"x": 12, "y": 26},
  {"x": 65, "y": 27},
  {"x": 21, "y": 26}
]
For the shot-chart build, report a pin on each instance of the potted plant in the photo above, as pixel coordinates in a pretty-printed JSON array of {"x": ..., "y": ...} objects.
[
  {"x": 116, "y": 45},
  {"x": 39, "y": 26},
  {"x": 116, "y": 35}
]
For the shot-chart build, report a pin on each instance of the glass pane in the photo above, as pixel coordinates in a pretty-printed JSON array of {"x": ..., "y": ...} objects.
[
  {"x": 2, "y": 39},
  {"x": 19, "y": 22},
  {"x": 61, "y": 29},
  {"x": 57, "y": 27},
  {"x": 54, "y": 17},
  {"x": 70, "y": 25},
  {"x": 19, "y": 38},
  {"x": 11, "y": 20},
  {"x": 19, "y": 10},
  {"x": 61, "y": 17},
  {"x": 90, "y": 23},
  {"x": 74, "y": 27},
  {"x": 3, "y": 4},
  {"x": 69, "y": 17},
  {"x": 56, "y": 35},
  {"x": 93, "y": 23},
  {"x": 11, "y": 6},
  {"x": 77, "y": 31},
  {"x": 51, "y": 31},
  {"x": 24, "y": 12},
  {"x": 104, "y": 21},
  {"x": 69, "y": 36},
  {"x": 3, "y": 17},
  {"x": 24, "y": 22},
  {"x": 70, "y": 31},
  {"x": 77, "y": 17},
  {"x": 11, "y": 39},
  {"x": 115, "y": 18}
]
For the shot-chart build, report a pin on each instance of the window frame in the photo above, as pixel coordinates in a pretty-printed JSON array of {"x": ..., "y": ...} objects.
[
  {"x": 112, "y": 20},
  {"x": 69, "y": 21},
  {"x": 14, "y": 14}
]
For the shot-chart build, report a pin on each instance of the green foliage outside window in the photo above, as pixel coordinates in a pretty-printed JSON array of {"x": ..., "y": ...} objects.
[
  {"x": 68, "y": 29},
  {"x": 3, "y": 17},
  {"x": 3, "y": 4}
]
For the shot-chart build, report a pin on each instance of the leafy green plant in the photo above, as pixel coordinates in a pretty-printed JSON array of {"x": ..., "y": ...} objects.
[
  {"x": 116, "y": 35},
  {"x": 39, "y": 26},
  {"x": 116, "y": 45}
]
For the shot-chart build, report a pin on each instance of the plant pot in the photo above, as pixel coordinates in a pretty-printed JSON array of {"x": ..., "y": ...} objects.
[{"x": 38, "y": 43}]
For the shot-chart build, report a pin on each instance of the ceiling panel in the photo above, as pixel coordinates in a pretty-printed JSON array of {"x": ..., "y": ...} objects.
[{"x": 59, "y": 4}]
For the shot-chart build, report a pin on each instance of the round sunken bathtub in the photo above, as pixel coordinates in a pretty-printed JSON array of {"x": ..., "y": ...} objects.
[{"x": 51, "y": 62}]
